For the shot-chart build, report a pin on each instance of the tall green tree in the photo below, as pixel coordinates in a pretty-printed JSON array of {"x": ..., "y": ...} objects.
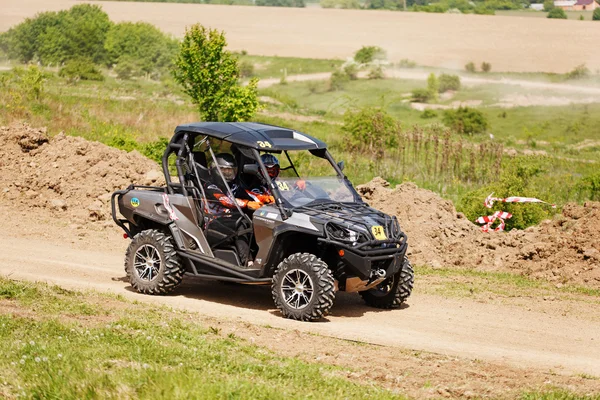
[{"x": 209, "y": 74}]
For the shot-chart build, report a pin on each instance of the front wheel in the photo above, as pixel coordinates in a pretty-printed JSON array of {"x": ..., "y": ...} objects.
[
  {"x": 303, "y": 287},
  {"x": 392, "y": 292},
  {"x": 152, "y": 264}
]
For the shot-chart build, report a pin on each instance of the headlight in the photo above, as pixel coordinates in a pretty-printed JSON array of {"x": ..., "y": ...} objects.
[{"x": 343, "y": 234}]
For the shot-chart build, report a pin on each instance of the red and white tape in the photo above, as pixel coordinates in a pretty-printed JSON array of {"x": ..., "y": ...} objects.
[
  {"x": 168, "y": 207},
  {"x": 502, "y": 216},
  {"x": 490, "y": 219},
  {"x": 489, "y": 201}
]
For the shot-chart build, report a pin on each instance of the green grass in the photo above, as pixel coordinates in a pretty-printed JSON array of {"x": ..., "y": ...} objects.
[
  {"x": 466, "y": 283},
  {"x": 275, "y": 67},
  {"x": 123, "y": 350},
  {"x": 558, "y": 394}
]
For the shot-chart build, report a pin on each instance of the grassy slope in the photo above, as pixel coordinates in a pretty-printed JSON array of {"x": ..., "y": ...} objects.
[{"x": 62, "y": 344}]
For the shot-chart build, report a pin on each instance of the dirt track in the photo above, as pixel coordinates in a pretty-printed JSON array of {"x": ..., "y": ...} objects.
[
  {"x": 441, "y": 40},
  {"x": 452, "y": 327}
]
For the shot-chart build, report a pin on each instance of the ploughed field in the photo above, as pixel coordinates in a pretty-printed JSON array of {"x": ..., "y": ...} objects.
[{"x": 519, "y": 44}]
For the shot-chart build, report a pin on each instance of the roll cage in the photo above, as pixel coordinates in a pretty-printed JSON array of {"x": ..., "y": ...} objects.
[{"x": 247, "y": 139}]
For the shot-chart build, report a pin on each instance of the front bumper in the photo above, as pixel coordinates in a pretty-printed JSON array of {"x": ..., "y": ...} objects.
[{"x": 366, "y": 257}]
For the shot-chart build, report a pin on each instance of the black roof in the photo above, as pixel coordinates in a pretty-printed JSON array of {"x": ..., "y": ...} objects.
[{"x": 255, "y": 135}]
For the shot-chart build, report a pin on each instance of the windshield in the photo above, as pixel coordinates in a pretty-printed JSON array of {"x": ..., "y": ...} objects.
[
  {"x": 304, "y": 177},
  {"x": 300, "y": 192}
]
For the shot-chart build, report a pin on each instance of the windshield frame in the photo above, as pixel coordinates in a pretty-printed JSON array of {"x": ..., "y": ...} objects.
[{"x": 281, "y": 201}]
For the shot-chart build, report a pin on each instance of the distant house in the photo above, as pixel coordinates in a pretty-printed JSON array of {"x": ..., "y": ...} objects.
[
  {"x": 537, "y": 6},
  {"x": 567, "y": 5},
  {"x": 576, "y": 5},
  {"x": 588, "y": 5}
]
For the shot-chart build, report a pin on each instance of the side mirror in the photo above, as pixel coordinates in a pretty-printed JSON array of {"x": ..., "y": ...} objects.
[
  {"x": 251, "y": 169},
  {"x": 341, "y": 165}
]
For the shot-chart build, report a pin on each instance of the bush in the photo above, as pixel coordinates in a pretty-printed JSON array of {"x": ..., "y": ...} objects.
[
  {"x": 56, "y": 37},
  {"x": 371, "y": 128},
  {"x": 596, "y": 15},
  {"x": 470, "y": 67},
  {"x": 385, "y": 4},
  {"x": 376, "y": 72},
  {"x": 486, "y": 67},
  {"x": 352, "y": 71},
  {"x": 515, "y": 180},
  {"x": 368, "y": 54},
  {"x": 139, "y": 45},
  {"x": 81, "y": 69},
  {"x": 579, "y": 72},
  {"x": 557, "y": 13},
  {"x": 466, "y": 120},
  {"x": 548, "y": 5},
  {"x": 338, "y": 80},
  {"x": 420, "y": 95},
  {"x": 426, "y": 114},
  {"x": 246, "y": 69},
  {"x": 155, "y": 150},
  {"x": 406, "y": 63},
  {"x": 344, "y": 4},
  {"x": 449, "y": 82},
  {"x": 280, "y": 3},
  {"x": 127, "y": 68},
  {"x": 589, "y": 187}
]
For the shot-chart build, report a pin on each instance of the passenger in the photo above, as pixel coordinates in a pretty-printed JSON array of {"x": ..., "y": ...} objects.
[{"x": 262, "y": 193}]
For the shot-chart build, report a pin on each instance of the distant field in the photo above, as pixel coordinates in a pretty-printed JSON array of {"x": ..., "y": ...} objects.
[{"x": 441, "y": 40}]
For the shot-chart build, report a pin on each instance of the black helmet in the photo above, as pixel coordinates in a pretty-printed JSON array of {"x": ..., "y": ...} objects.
[
  {"x": 227, "y": 165},
  {"x": 271, "y": 164}
]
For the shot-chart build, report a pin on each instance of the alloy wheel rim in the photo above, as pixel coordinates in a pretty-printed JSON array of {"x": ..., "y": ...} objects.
[
  {"x": 147, "y": 262},
  {"x": 297, "y": 289}
]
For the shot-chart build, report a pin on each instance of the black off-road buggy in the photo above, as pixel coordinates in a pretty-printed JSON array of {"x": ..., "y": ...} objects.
[{"x": 315, "y": 239}]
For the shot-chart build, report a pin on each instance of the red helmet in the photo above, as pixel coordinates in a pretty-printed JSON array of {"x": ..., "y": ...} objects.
[{"x": 271, "y": 164}]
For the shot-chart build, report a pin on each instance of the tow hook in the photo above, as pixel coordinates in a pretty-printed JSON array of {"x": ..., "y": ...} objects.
[{"x": 378, "y": 274}]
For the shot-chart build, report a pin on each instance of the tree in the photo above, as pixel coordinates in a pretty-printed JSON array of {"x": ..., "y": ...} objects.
[
  {"x": 368, "y": 54},
  {"x": 141, "y": 46},
  {"x": 557, "y": 13},
  {"x": 56, "y": 37},
  {"x": 596, "y": 15},
  {"x": 449, "y": 82},
  {"x": 433, "y": 87},
  {"x": 209, "y": 74},
  {"x": 548, "y": 5},
  {"x": 486, "y": 66},
  {"x": 470, "y": 66}
]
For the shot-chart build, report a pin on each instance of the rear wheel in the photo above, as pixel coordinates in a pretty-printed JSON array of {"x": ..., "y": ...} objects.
[
  {"x": 394, "y": 291},
  {"x": 152, "y": 264},
  {"x": 303, "y": 287}
]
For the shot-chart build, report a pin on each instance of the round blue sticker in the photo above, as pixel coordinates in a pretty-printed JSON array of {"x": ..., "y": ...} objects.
[{"x": 135, "y": 202}]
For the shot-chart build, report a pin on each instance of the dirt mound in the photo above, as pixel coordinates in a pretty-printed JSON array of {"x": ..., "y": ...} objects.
[
  {"x": 563, "y": 250},
  {"x": 69, "y": 177}
]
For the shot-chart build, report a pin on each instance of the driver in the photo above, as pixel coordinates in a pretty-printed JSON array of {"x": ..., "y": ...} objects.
[
  {"x": 218, "y": 201},
  {"x": 225, "y": 221}
]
